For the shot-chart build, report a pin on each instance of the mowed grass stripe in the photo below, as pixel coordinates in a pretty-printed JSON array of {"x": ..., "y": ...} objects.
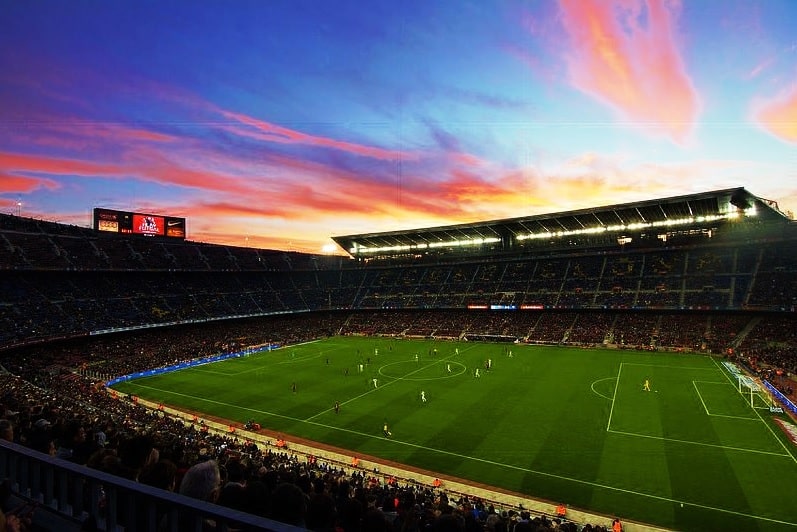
[
  {"x": 499, "y": 466},
  {"x": 536, "y": 415}
]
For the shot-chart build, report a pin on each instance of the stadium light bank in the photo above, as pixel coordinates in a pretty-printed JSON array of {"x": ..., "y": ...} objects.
[{"x": 557, "y": 234}]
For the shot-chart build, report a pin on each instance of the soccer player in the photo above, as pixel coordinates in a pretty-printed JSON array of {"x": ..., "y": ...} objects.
[
  {"x": 293, "y": 387},
  {"x": 376, "y": 382},
  {"x": 646, "y": 386},
  {"x": 477, "y": 374},
  {"x": 337, "y": 407},
  {"x": 456, "y": 350},
  {"x": 386, "y": 431},
  {"x": 423, "y": 396},
  {"x": 448, "y": 368},
  {"x": 416, "y": 357}
]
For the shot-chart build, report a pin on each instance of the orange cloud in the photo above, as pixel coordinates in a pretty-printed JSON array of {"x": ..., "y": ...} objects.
[
  {"x": 779, "y": 116},
  {"x": 624, "y": 53},
  {"x": 327, "y": 196}
]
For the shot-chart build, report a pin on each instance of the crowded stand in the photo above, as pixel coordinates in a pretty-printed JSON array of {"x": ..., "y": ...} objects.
[
  {"x": 62, "y": 412},
  {"x": 52, "y": 400},
  {"x": 79, "y": 308}
]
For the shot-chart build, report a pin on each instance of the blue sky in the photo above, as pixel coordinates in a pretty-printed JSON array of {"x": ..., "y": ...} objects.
[{"x": 282, "y": 123}]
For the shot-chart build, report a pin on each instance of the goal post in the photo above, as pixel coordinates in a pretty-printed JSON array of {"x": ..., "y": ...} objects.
[{"x": 754, "y": 394}]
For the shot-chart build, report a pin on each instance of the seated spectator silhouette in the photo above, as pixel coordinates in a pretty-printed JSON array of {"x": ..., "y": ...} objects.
[
  {"x": 202, "y": 481},
  {"x": 135, "y": 454},
  {"x": 40, "y": 437},
  {"x": 321, "y": 510},
  {"x": 289, "y": 505},
  {"x": 162, "y": 474},
  {"x": 72, "y": 444},
  {"x": 233, "y": 493},
  {"x": 6, "y": 430}
]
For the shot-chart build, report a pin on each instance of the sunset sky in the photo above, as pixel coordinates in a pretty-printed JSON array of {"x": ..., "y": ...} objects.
[{"x": 282, "y": 123}]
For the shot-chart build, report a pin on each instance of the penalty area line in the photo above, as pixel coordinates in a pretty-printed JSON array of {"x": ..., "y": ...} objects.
[{"x": 688, "y": 442}]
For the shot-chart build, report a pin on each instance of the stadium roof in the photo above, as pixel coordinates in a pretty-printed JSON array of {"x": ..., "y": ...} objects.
[{"x": 691, "y": 208}]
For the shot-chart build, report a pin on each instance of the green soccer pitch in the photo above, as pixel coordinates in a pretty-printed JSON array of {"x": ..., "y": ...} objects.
[{"x": 562, "y": 424}]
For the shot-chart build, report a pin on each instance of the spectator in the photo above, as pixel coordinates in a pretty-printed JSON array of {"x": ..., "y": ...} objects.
[
  {"x": 289, "y": 505},
  {"x": 6, "y": 430},
  {"x": 72, "y": 443},
  {"x": 161, "y": 474},
  {"x": 202, "y": 481}
]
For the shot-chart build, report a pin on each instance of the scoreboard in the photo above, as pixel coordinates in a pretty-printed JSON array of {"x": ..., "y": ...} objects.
[{"x": 136, "y": 223}]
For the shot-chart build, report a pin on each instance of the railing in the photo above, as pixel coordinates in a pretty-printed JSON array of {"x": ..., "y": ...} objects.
[{"x": 78, "y": 492}]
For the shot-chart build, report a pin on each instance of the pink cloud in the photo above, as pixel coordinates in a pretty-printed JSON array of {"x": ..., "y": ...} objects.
[
  {"x": 144, "y": 164},
  {"x": 114, "y": 132},
  {"x": 74, "y": 134},
  {"x": 624, "y": 53},
  {"x": 151, "y": 164},
  {"x": 325, "y": 193},
  {"x": 13, "y": 163},
  {"x": 10, "y": 184},
  {"x": 467, "y": 159},
  {"x": 68, "y": 133},
  {"x": 760, "y": 67},
  {"x": 778, "y": 116},
  {"x": 266, "y": 131}
]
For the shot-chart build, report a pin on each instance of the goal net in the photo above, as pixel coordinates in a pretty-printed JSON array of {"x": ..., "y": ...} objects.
[{"x": 753, "y": 392}]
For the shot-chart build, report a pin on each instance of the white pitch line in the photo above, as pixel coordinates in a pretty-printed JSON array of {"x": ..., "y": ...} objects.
[
  {"x": 666, "y": 366},
  {"x": 703, "y": 444},
  {"x": 614, "y": 396},
  {"x": 774, "y": 435},
  {"x": 592, "y": 387},
  {"x": 395, "y": 379},
  {"x": 206, "y": 400},
  {"x": 734, "y": 417},
  {"x": 499, "y": 464},
  {"x": 700, "y": 396}
]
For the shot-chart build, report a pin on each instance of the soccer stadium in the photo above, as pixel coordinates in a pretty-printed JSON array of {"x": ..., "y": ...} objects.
[{"x": 627, "y": 365}]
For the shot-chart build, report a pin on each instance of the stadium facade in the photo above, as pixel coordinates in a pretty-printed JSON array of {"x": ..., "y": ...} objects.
[{"x": 726, "y": 250}]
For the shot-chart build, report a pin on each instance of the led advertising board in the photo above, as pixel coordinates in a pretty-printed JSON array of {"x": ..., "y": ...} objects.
[{"x": 136, "y": 223}]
